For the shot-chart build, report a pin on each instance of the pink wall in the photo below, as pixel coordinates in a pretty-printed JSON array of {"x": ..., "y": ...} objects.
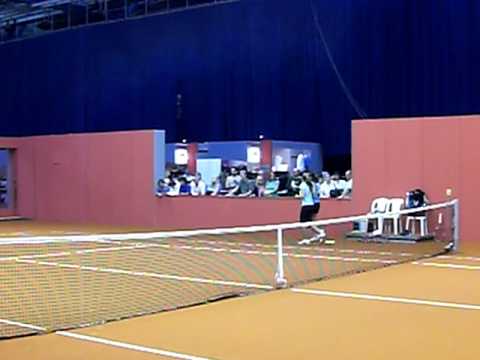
[
  {"x": 394, "y": 155},
  {"x": 194, "y": 213},
  {"x": 98, "y": 178}
]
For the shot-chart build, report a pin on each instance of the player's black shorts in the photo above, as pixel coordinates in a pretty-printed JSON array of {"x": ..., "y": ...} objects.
[
  {"x": 316, "y": 208},
  {"x": 306, "y": 213}
]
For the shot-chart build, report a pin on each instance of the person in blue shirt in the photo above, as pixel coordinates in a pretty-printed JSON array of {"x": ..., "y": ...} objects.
[
  {"x": 309, "y": 193},
  {"x": 185, "y": 188}
]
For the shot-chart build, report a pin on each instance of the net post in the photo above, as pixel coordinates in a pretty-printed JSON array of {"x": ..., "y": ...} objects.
[
  {"x": 456, "y": 225},
  {"x": 280, "y": 280}
]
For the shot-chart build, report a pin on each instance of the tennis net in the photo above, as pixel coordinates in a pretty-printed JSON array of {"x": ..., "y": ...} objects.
[{"x": 63, "y": 282}]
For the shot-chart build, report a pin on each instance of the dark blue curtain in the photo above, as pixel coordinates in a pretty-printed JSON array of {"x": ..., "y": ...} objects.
[{"x": 248, "y": 68}]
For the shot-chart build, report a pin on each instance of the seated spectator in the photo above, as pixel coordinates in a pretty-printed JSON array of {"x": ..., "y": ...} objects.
[
  {"x": 184, "y": 188},
  {"x": 216, "y": 188},
  {"x": 347, "y": 190},
  {"x": 232, "y": 180},
  {"x": 198, "y": 186},
  {"x": 326, "y": 186},
  {"x": 244, "y": 188},
  {"x": 222, "y": 178},
  {"x": 162, "y": 188},
  {"x": 338, "y": 182},
  {"x": 295, "y": 182},
  {"x": 259, "y": 188},
  {"x": 337, "y": 185},
  {"x": 272, "y": 185}
]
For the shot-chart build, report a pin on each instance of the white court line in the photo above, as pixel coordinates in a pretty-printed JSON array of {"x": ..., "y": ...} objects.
[
  {"x": 388, "y": 299},
  {"x": 472, "y": 258},
  {"x": 150, "y": 275},
  {"x": 112, "y": 343},
  {"x": 199, "y": 248},
  {"x": 448, "y": 266},
  {"x": 128, "y": 346},
  {"x": 21, "y": 324}
]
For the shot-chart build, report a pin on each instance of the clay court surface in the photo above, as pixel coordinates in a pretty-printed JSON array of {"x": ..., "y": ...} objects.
[{"x": 424, "y": 310}]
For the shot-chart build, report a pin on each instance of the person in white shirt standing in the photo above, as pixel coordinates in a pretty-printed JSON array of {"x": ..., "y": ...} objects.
[{"x": 198, "y": 186}]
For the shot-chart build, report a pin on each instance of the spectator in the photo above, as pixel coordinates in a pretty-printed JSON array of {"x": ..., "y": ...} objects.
[
  {"x": 272, "y": 185},
  {"x": 162, "y": 188},
  {"x": 233, "y": 179},
  {"x": 184, "y": 188},
  {"x": 326, "y": 186},
  {"x": 338, "y": 182},
  {"x": 244, "y": 188},
  {"x": 216, "y": 186},
  {"x": 347, "y": 190},
  {"x": 222, "y": 178},
  {"x": 259, "y": 188},
  {"x": 198, "y": 186}
]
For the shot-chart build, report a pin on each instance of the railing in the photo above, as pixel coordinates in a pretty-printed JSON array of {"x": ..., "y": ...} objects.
[{"x": 22, "y": 20}]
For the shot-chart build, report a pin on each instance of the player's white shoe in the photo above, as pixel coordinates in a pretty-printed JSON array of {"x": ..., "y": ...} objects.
[
  {"x": 304, "y": 242},
  {"x": 318, "y": 238}
]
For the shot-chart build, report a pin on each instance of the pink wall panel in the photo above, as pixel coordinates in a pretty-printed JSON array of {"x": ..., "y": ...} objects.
[
  {"x": 431, "y": 153},
  {"x": 469, "y": 163},
  {"x": 403, "y": 157},
  {"x": 368, "y": 162},
  {"x": 194, "y": 213},
  {"x": 143, "y": 203},
  {"x": 60, "y": 177},
  {"x": 441, "y": 146},
  {"x": 86, "y": 177},
  {"x": 108, "y": 174}
]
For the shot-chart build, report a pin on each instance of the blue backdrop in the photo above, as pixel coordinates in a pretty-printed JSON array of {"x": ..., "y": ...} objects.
[{"x": 251, "y": 67}]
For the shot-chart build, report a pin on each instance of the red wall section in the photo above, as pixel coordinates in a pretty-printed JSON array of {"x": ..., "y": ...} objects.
[
  {"x": 194, "y": 213},
  {"x": 468, "y": 178},
  {"x": 393, "y": 156},
  {"x": 98, "y": 178}
]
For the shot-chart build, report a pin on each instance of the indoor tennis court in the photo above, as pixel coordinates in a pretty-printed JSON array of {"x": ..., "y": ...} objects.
[{"x": 239, "y": 179}]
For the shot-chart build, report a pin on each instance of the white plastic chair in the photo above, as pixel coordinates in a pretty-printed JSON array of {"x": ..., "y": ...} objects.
[
  {"x": 377, "y": 211},
  {"x": 422, "y": 220},
  {"x": 392, "y": 214}
]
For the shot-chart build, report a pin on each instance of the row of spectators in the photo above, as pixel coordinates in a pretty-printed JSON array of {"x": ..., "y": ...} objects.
[
  {"x": 3, "y": 191},
  {"x": 235, "y": 182}
]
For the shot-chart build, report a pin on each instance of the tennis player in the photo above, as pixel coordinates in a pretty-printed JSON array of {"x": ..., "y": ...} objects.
[
  {"x": 308, "y": 193},
  {"x": 321, "y": 235}
]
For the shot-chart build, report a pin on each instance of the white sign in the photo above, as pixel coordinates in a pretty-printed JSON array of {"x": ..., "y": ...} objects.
[
  {"x": 181, "y": 156},
  {"x": 253, "y": 155}
]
